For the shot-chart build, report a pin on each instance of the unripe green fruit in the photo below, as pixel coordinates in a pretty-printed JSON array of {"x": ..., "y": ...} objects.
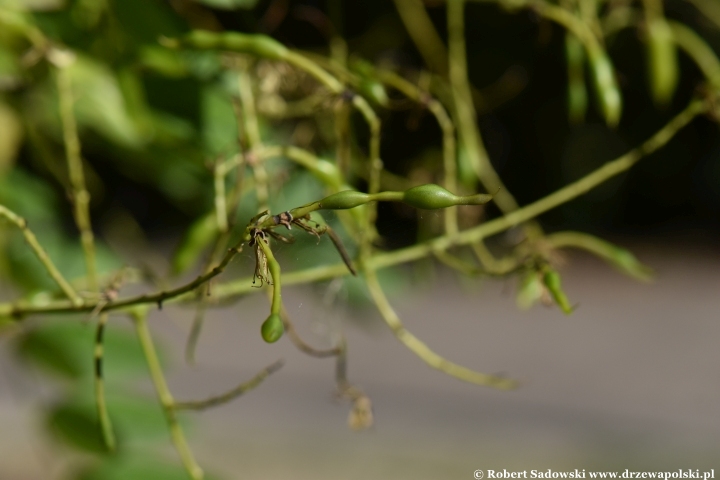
[
  {"x": 551, "y": 279},
  {"x": 429, "y": 197},
  {"x": 577, "y": 92},
  {"x": 606, "y": 88},
  {"x": 662, "y": 61},
  {"x": 344, "y": 200},
  {"x": 260, "y": 45},
  {"x": 272, "y": 328},
  {"x": 202, "y": 39}
]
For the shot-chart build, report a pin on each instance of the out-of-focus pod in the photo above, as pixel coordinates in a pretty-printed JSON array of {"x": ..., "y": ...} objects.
[
  {"x": 662, "y": 61},
  {"x": 577, "y": 96},
  {"x": 605, "y": 84}
]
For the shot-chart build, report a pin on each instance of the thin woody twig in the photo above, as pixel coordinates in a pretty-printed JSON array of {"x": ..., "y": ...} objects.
[
  {"x": 41, "y": 254},
  {"x": 81, "y": 197},
  {"x": 166, "y": 399},
  {"x": 232, "y": 394}
]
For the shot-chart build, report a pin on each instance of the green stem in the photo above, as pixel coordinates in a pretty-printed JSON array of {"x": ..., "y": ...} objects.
[
  {"x": 274, "y": 267},
  {"x": 301, "y": 344},
  {"x": 421, "y": 349},
  {"x": 41, "y": 254},
  {"x": 559, "y": 197},
  {"x": 252, "y": 129},
  {"x": 492, "y": 265},
  {"x": 232, "y": 394},
  {"x": 465, "y": 110},
  {"x": 445, "y": 123},
  {"x": 220, "y": 200},
  {"x": 423, "y": 33},
  {"x": 164, "y": 395},
  {"x": 699, "y": 50},
  {"x": 619, "y": 257},
  {"x": 105, "y": 423},
  {"x": 81, "y": 196},
  {"x": 709, "y": 8}
]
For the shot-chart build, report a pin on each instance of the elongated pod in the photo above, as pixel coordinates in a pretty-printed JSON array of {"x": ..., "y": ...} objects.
[
  {"x": 260, "y": 45},
  {"x": 662, "y": 61},
  {"x": 605, "y": 84},
  {"x": 577, "y": 96}
]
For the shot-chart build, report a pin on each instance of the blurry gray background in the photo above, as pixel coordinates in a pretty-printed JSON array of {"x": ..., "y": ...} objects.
[{"x": 630, "y": 380}]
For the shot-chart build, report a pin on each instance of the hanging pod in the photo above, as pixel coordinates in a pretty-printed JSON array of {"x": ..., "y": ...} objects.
[
  {"x": 260, "y": 45},
  {"x": 662, "y": 61},
  {"x": 551, "y": 280},
  {"x": 605, "y": 84},
  {"x": 577, "y": 96}
]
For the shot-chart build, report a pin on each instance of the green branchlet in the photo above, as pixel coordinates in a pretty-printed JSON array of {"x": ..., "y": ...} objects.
[{"x": 618, "y": 257}]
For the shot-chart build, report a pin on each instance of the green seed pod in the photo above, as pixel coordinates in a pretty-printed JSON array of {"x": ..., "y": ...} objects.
[
  {"x": 662, "y": 61},
  {"x": 260, "y": 45},
  {"x": 606, "y": 88},
  {"x": 431, "y": 197},
  {"x": 202, "y": 39},
  {"x": 272, "y": 328},
  {"x": 344, "y": 200},
  {"x": 552, "y": 282},
  {"x": 577, "y": 96}
]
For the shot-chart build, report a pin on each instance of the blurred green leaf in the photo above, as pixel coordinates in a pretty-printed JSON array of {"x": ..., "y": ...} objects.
[
  {"x": 99, "y": 103},
  {"x": 65, "y": 348},
  {"x": 11, "y": 134},
  {"x": 28, "y": 196},
  {"x": 78, "y": 426},
  {"x": 52, "y": 354},
  {"x": 229, "y": 4},
  {"x": 138, "y": 418},
  {"x": 10, "y": 72},
  {"x": 140, "y": 466},
  {"x": 196, "y": 240},
  {"x": 220, "y": 131},
  {"x": 169, "y": 63},
  {"x": 144, "y": 22},
  {"x": 34, "y": 200},
  {"x": 43, "y": 5}
]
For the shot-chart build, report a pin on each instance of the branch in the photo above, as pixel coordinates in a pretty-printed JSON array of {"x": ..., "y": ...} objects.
[
  {"x": 382, "y": 260},
  {"x": 42, "y": 255},
  {"x": 232, "y": 394}
]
